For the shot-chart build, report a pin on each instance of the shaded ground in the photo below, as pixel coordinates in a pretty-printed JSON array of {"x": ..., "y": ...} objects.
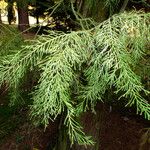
[
  {"x": 113, "y": 131},
  {"x": 110, "y": 130}
]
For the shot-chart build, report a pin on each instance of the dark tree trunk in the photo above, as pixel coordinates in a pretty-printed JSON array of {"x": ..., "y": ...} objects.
[
  {"x": 10, "y": 12},
  {"x": 23, "y": 20},
  {"x": 0, "y": 17},
  {"x": 37, "y": 20},
  {"x": 37, "y": 14}
]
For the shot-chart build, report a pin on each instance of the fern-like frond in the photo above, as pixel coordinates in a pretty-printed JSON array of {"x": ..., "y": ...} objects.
[
  {"x": 52, "y": 95},
  {"x": 107, "y": 55},
  {"x": 120, "y": 50},
  {"x": 75, "y": 130}
]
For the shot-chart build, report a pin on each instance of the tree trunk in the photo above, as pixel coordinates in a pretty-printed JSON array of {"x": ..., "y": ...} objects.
[
  {"x": 37, "y": 19},
  {"x": 23, "y": 20},
  {"x": 0, "y": 17},
  {"x": 10, "y": 12}
]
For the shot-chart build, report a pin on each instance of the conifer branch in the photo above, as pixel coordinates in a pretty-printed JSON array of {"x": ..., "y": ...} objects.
[{"x": 109, "y": 53}]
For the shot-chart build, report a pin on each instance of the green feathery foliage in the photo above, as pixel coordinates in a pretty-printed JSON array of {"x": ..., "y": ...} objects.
[
  {"x": 10, "y": 40},
  {"x": 10, "y": 43},
  {"x": 122, "y": 41},
  {"x": 106, "y": 56}
]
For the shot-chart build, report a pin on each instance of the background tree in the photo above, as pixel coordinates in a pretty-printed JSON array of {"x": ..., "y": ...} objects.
[
  {"x": 23, "y": 17},
  {"x": 40, "y": 9},
  {"x": 10, "y": 11}
]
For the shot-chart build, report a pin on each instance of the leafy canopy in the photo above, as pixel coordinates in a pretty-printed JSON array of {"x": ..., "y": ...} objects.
[{"x": 106, "y": 56}]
